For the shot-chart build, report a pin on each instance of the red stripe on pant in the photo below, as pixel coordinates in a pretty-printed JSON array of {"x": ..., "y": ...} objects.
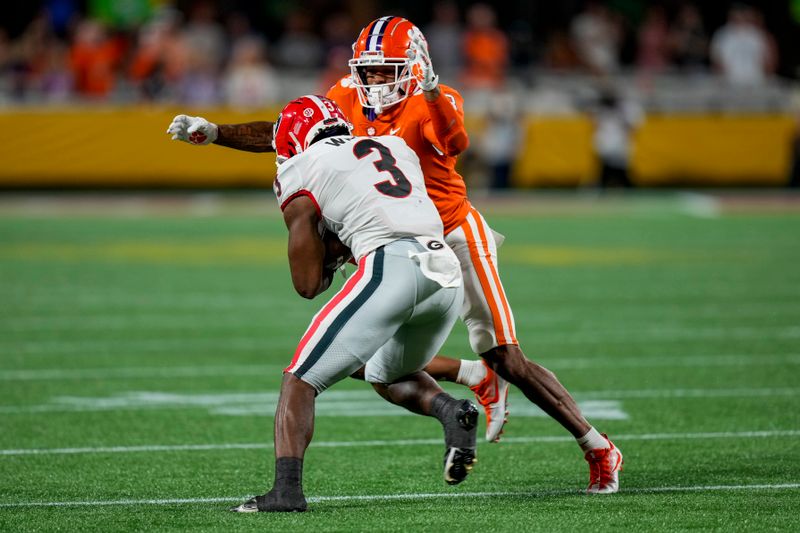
[{"x": 329, "y": 307}]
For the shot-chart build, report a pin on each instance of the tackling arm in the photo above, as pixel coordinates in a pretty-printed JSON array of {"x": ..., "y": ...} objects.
[
  {"x": 306, "y": 251},
  {"x": 250, "y": 136}
]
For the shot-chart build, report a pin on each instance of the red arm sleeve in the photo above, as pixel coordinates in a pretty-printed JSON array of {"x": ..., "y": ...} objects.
[{"x": 447, "y": 124}]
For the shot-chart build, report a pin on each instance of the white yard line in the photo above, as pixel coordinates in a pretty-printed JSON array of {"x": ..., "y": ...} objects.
[
  {"x": 195, "y": 343},
  {"x": 145, "y": 372},
  {"x": 412, "y": 496},
  {"x": 200, "y": 310},
  {"x": 399, "y": 442},
  {"x": 603, "y": 404},
  {"x": 689, "y": 393},
  {"x": 235, "y": 297},
  {"x": 622, "y": 336},
  {"x": 599, "y": 361}
]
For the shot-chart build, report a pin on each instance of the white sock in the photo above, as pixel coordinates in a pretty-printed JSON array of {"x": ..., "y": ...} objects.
[
  {"x": 592, "y": 440},
  {"x": 470, "y": 373}
]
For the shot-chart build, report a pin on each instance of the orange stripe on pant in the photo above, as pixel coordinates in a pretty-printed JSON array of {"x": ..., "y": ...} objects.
[
  {"x": 494, "y": 308},
  {"x": 482, "y": 230}
]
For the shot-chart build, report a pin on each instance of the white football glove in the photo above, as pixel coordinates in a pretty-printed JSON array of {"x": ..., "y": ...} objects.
[
  {"x": 421, "y": 66},
  {"x": 193, "y": 130}
]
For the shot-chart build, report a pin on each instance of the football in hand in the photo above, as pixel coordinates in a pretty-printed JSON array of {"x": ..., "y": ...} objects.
[{"x": 336, "y": 252}]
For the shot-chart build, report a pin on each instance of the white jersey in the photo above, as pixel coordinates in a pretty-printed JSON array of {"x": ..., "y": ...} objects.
[{"x": 370, "y": 191}]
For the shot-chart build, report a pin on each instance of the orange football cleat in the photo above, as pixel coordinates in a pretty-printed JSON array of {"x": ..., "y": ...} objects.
[
  {"x": 605, "y": 465},
  {"x": 492, "y": 394}
]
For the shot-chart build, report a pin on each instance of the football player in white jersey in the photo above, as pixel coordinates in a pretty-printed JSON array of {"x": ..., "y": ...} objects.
[{"x": 392, "y": 316}]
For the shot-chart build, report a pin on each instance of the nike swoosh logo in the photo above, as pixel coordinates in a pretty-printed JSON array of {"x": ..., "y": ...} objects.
[{"x": 393, "y": 131}]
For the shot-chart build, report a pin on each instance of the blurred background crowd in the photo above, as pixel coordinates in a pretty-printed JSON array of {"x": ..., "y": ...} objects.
[
  {"x": 615, "y": 61},
  {"x": 252, "y": 53}
]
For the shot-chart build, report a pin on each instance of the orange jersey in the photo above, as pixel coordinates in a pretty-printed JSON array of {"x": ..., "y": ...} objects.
[{"x": 435, "y": 131}]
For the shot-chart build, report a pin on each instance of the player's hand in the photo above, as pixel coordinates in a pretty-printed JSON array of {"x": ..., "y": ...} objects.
[
  {"x": 193, "y": 130},
  {"x": 421, "y": 66}
]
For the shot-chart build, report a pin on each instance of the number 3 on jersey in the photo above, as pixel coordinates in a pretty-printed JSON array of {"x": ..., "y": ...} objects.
[{"x": 398, "y": 186}]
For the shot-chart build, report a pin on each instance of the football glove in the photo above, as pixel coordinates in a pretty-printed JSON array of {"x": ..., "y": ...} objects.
[
  {"x": 421, "y": 66},
  {"x": 193, "y": 130}
]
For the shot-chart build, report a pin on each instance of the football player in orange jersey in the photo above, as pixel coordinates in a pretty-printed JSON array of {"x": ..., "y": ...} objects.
[{"x": 393, "y": 90}]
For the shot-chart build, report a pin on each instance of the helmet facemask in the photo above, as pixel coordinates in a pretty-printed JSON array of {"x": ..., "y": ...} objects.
[{"x": 379, "y": 96}]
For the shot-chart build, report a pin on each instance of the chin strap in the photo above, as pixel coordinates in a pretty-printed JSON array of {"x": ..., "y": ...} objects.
[{"x": 375, "y": 97}]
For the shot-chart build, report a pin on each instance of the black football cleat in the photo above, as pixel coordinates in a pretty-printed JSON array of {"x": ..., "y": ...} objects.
[
  {"x": 460, "y": 438},
  {"x": 285, "y": 501}
]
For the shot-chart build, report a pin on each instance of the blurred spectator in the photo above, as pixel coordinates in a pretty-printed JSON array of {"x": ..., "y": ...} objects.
[
  {"x": 204, "y": 35},
  {"x": 742, "y": 50},
  {"x": 5, "y": 51},
  {"x": 500, "y": 139},
  {"x": 338, "y": 32},
  {"x": 653, "y": 41},
  {"x": 521, "y": 45},
  {"x": 614, "y": 121},
  {"x": 688, "y": 40},
  {"x": 444, "y": 35},
  {"x": 153, "y": 65},
  {"x": 559, "y": 53},
  {"x": 299, "y": 47},
  {"x": 27, "y": 55},
  {"x": 239, "y": 30},
  {"x": 772, "y": 45},
  {"x": 237, "y": 27},
  {"x": 197, "y": 80},
  {"x": 335, "y": 68},
  {"x": 250, "y": 82},
  {"x": 485, "y": 49},
  {"x": 55, "y": 82},
  {"x": 196, "y": 56},
  {"x": 597, "y": 37},
  {"x": 94, "y": 58},
  {"x": 187, "y": 59}
]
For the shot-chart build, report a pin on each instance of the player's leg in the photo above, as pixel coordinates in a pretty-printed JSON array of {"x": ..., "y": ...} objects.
[
  {"x": 539, "y": 385},
  {"x": 444, "y": 368},
  {"x": 294, "y": 427},
  {"x": 414, "y": 392},
  {"x": 395, "y": 373},
  {"x": 333, "y": 346},
  {"x": 488, "y": 317},
  {"x": 467, "y": 372},
  {"x": 488, "y": 320},
  {"x": 421, "y": 394}
]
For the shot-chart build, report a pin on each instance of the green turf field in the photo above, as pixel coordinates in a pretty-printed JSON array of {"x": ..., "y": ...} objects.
[{"x": 140, "y": 357}]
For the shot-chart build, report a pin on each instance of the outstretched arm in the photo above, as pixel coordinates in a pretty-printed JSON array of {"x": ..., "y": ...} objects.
[{"x": 250, "y": 136}]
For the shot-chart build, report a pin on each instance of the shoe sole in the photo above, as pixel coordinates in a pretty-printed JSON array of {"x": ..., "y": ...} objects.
[
  {"x": 458, "y": 462},
  {"x": 251, "y": 506},
  {"x": 243, "y": 508}
]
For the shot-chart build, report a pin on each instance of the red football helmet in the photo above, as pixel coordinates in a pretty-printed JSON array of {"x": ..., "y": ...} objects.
[
  {"x": 383, "y": 43},
  {"x": 301, "y": 121}
]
